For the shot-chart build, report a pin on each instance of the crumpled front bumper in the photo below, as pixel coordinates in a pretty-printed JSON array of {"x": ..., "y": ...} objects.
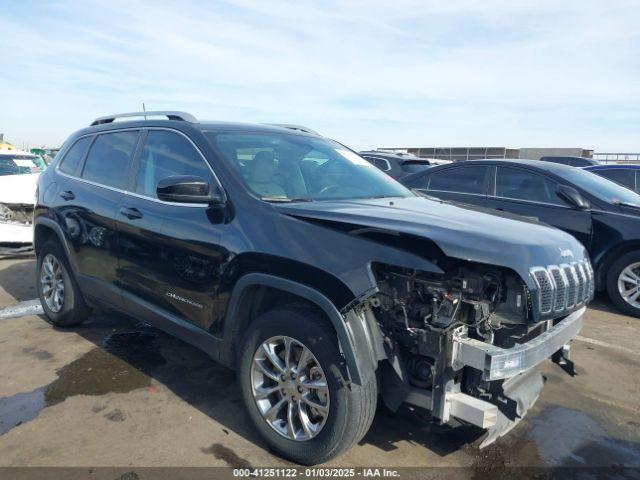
[
  {"x": 514, "y": 368},
  {"x": 497, "y": 363}
]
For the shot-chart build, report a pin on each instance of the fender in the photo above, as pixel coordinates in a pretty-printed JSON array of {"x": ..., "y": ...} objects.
[
  {"x": 52, "y": 225},
  {"x": 350, "y": 340}
]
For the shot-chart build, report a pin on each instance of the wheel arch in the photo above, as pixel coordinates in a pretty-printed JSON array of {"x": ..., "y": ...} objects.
[
  {"x": 47, "y": 229},
  {"x": 255, "y": 293},
  {"x": 603, "y": 262}
]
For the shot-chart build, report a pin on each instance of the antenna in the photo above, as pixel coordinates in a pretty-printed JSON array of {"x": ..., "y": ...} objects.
[{"x": 144, "y": 109}]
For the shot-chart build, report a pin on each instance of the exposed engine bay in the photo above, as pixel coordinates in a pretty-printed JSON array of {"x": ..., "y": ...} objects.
[{"x": 420, "y": 314}]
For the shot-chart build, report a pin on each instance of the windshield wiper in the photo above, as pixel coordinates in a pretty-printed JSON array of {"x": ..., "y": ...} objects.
[{"x": 286, "y": 200}]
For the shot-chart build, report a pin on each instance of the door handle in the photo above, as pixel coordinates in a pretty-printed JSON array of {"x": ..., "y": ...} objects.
[
  {"x": 68, "y": 195},
  {"x": 131, "y": 213}
]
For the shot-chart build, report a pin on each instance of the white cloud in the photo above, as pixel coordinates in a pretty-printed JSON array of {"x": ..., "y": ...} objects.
[{"x": 366, "y": 73}]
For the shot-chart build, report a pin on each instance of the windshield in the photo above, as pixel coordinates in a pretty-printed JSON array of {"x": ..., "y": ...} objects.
[
  {"x": 288, "y": 167},
  {"x": 600, "y": 187},
  {"x": 19, "y": 164}
]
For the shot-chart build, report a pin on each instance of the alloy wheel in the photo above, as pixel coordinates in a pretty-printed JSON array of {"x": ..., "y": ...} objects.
[
  {"x": 290, "y": 388},
  {"x": 52, "y": 283},
  {"x": 629, "y": 284}
]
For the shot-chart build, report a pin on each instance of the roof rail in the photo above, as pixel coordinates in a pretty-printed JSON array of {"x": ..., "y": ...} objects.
[
  {"x": 183, "y": 116},
  {"x": 299, "y": 128}
]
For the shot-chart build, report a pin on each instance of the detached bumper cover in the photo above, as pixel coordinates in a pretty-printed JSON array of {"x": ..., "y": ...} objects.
[{"x": 497, "y": 363}]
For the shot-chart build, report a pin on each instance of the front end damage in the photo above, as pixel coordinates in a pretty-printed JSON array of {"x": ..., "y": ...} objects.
[
  {"x": 464, "y": 345},
  {"x": 16, "y": 229}
]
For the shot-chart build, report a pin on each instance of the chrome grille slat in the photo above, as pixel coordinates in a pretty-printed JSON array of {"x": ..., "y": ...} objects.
[
  {"x": 582, "y": 283},
  {"x": 545, "y": 289},
  {"x": 563, "y": 287},
  {"x": 572, "y": 285}
]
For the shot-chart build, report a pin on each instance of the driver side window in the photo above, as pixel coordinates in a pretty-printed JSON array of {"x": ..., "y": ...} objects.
[{"x": 166, "y": 154}]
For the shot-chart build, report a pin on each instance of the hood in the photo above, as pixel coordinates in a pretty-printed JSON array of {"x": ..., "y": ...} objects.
[
  {"x": 464, "y": 232},
  {"x": 18, "y": 189}
]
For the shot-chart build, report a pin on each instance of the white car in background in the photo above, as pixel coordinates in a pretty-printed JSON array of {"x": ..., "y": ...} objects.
[{"x": 19, "y": 172}]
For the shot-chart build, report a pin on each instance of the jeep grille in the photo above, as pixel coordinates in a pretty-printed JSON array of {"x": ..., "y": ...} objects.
[{"x": 563, "y": 287}]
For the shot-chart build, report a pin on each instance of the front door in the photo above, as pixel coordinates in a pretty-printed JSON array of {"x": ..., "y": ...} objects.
[{"x": 169, "y": 252}]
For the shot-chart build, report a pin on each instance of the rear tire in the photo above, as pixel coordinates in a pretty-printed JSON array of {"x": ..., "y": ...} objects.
[
  {"x": 623, "y": 283},
  {"x": 57, "y": 289},
  {"x": 349, "y": 408}
]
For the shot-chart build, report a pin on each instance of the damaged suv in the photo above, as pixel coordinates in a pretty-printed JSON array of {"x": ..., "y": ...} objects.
[{"x": 322, "y": 281}]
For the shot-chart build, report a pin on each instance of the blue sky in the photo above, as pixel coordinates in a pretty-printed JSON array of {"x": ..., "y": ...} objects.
[{"x": 367, "y": 73}]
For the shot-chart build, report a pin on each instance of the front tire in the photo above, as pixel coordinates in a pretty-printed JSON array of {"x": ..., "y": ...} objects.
[
  {"x": 623, "y": 283},
  {"x": 295, "y": 387},
  {"x": 57, "y": 289}
]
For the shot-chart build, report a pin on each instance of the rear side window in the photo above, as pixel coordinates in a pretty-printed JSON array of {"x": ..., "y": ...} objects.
[
  {"x": 523, "y": 185},
  {"x": 459, "y": 180},
  {"x": 623, "y": 176},
  {"x": 166, "y": 154},
  {"x": 110, "y": 157},
  {"x": 75, "y": 155}
]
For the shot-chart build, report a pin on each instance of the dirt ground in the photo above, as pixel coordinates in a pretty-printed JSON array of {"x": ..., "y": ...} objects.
[{"x": 115, "y": 392}]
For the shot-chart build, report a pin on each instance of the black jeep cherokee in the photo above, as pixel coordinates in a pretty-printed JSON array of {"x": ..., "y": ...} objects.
[{"x": 324, "y": 282}]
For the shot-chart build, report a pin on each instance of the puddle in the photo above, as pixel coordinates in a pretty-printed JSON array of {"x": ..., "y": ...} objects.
[
  {"x": 566, "y": 437},
  {"x": 19, "y": 409},
  {"x": 139, "y": 348},
  {"x": 95, "y": 373},
  {"x": 98, "y": 372}
]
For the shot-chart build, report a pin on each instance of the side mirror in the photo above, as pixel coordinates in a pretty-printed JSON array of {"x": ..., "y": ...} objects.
[
  {"x": 188, "y": 189},
  {"x": 573, "y": 197}
]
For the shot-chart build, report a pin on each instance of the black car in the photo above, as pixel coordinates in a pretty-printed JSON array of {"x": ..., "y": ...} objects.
[
  {"x": 396, "y": 165},
  {"x": 571, "y": 161},
  {"x": 604, "y": 216},
  {"x": 323, "y": 281},
  {"x": 627, "y": 175}
]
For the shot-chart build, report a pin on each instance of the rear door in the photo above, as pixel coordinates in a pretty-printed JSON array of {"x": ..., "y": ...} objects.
[
  {"x": 169, "y": 252},
  {"x": 88, "y": 200},
  {"x": 531, "y": 194},
  {"x": 463, "y": 183}
]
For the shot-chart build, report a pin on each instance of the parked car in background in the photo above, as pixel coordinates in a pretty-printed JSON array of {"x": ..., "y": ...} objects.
[
  {"x": 604, "y": 216},
  {"x": 323, "y": 281},
  {"x": 571, "y": 161},
  {"x": 625, "y": 175},
  {"x": 19, "y": 172},
  {"x": 399, "y": 165}
]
